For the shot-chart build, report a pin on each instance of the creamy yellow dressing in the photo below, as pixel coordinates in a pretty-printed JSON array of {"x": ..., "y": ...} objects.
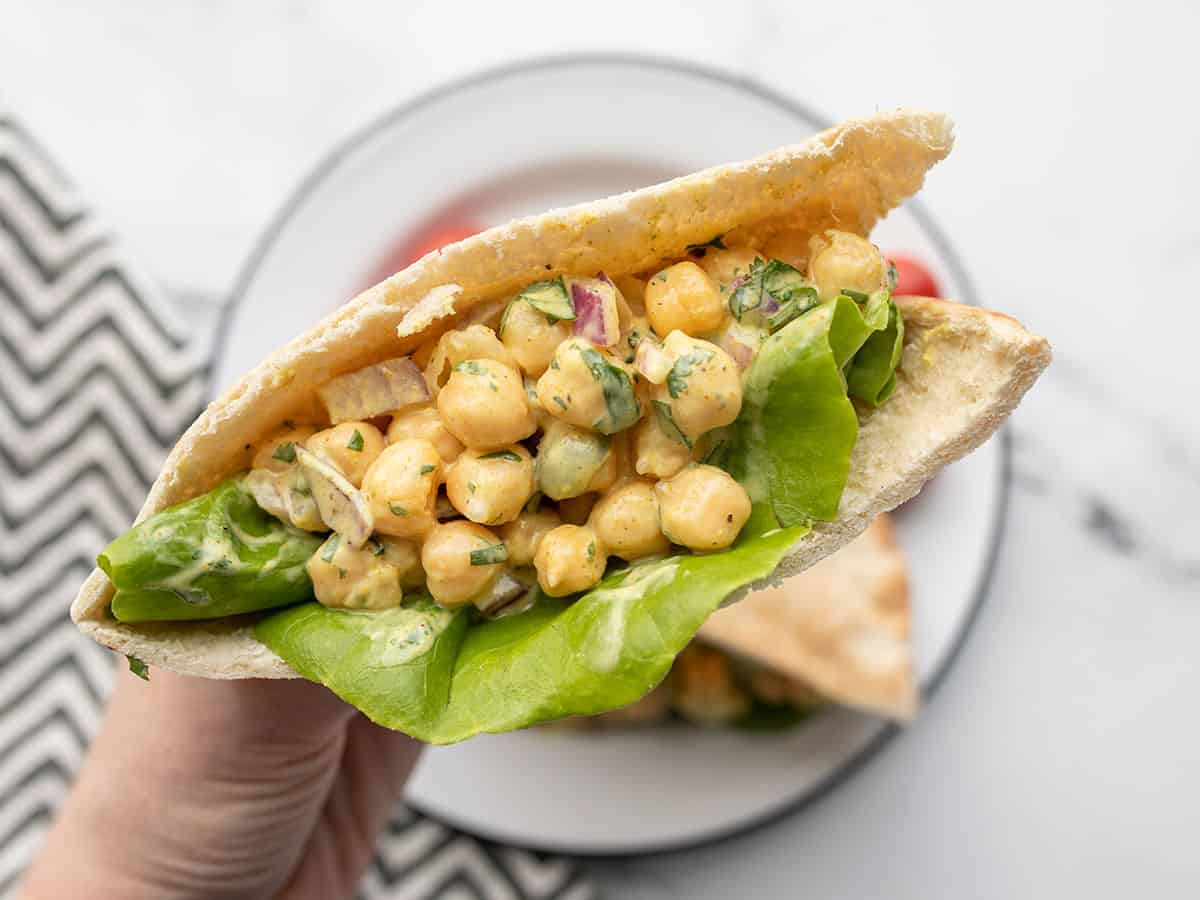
[
  {"x": 605, "y": 647},
  {"x": 402, "y": 634}
]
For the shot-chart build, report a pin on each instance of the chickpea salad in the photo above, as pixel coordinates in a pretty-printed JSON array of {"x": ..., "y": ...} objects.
[{"x": 530, "y": 515}]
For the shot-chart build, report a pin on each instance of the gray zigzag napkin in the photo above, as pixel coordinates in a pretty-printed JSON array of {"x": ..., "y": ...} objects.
[{"x": 96, "y": 383}]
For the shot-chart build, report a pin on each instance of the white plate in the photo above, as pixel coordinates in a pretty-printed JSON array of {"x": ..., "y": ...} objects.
[{"x": 521, "y": 140}]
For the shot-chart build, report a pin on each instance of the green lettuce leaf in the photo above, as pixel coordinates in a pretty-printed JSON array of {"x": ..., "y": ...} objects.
[
  {"x": 871, "y": 377},
  {"x": 791, "y": 444},
  {"x": 217, "y": 555},
  {"x": 443, "y": 676}
]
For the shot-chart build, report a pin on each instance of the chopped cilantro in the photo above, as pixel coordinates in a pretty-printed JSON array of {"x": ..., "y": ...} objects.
[
  {"x": 502, "y": 454},
  {"x": 551, "y": 298},
  {"x": 285, "y": 452},
  {"x": 668, "y": 423},
  {"x": 425, "y": 470},
  {"x": 774, "y": 279},
  {"x": 489, "y": 556},
  {"x": 138, "y": 668},
  {"x": 802, "y": 300},
  {"x": 471, "y": 367},
  {"x": 356, "y": 442},
  {"x": 504, "y": 318},
  {"x": 591, "y": 551},
  {"x": 331, "y": 548},
  {"x": 684, "y": 366},
  {"x": 620, "y": 400},
  {"x": 397, "y": 510},
  {"x": 471, "y": 486},
  {"x": 559, "y": 400}
]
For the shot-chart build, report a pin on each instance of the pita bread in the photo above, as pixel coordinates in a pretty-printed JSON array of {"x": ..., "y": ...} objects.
[
  {"x": 842, "y": 627},
  {"x": 847, "y": 177}
]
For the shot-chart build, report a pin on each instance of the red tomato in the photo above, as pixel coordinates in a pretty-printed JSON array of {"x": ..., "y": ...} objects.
[
  {"x": 913, "y": 278},
  {"x": 412, "y": 247},
  {"x": 435, "y": 238}
]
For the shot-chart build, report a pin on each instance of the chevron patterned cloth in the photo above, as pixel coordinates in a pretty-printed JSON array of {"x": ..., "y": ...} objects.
[{"x": 96, "y": 382}]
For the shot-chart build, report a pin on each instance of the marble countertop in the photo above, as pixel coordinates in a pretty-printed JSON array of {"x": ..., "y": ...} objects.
[{"x": 1059, "y": 756}]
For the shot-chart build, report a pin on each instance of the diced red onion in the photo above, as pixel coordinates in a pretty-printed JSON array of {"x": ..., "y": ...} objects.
[
  {"x": 500, "y": 601},
  {"x": 372, "y": 391},
  {"x": 652, "y": 361},
  {"x": 341, "y": 505},
  {"x": 595, "y": 303},
  {"x": 741, "y": 343}
]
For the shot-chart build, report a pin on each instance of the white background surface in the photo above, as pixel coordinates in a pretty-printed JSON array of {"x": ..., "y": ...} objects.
[{"x": 1059, "y": 759}]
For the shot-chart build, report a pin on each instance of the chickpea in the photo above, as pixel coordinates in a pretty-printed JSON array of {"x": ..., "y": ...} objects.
[
  {"x": 492, "y": 487},
  {"x": 703, "y": 688},
  {"x": 575, "y": 510},
  {"x": 405, "y": 555},
  {"x": 484, "y": 405},
  {"x": 530, "y": 337},
  {"x": 573, "y": 461},
  {"x": 401, "y": 488},
  {"x": 350, "y": 446},
  {"x": 523, "y": 535},
  {"x": 451, "y": 576},
  {"x": 682, "y": 297},
  {"x": 702, "y": 508},
  {"x": 589, "y": 388},
  {"x": 724, "y": 266},
  {"x": 423, "y": 354},
  {"x": 372, "y": 577},
  {"x": 460, "y": 345},
  {"x": 655, "y": 452},
  {"x": 425, "y": 422},
  {"x": 841, "y": 260},
  {"x": 626, "y": 521},
  {"x": 277, "y": 453},
  {"x": 633, "y": 290},
  {"x": 569, "y": 559},
  {"x": 704, "y": 388}
]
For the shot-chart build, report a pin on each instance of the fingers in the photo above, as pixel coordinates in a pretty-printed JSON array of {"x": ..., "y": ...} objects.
[
  {"x": 198, "y": 788},
  {"x": 376, "y": 764},
  {"x": 258, "y": 715}
]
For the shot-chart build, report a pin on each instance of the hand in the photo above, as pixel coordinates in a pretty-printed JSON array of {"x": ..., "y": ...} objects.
[{"x": 224, "y": 788}]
